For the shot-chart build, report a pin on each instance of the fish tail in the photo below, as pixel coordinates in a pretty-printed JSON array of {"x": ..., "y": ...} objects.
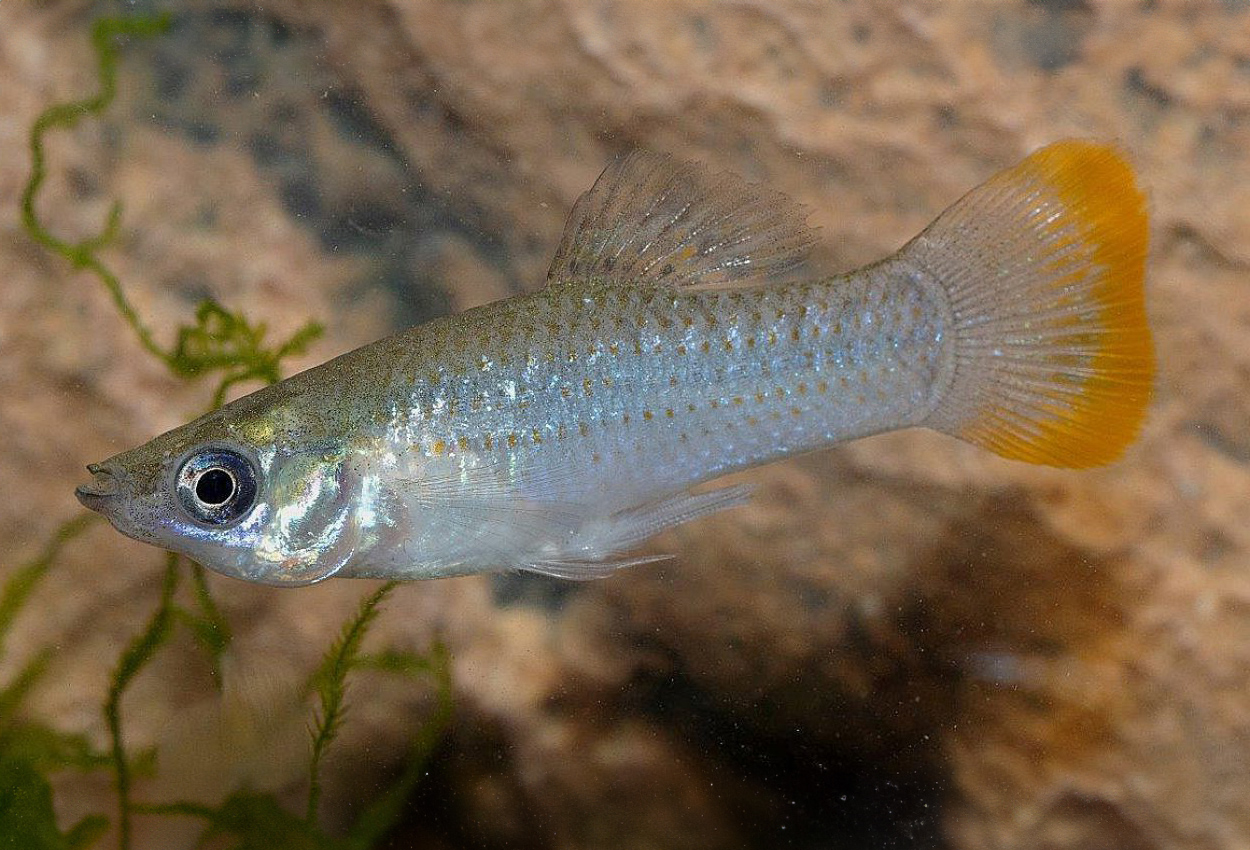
[{"x": 1044, "y": 266}]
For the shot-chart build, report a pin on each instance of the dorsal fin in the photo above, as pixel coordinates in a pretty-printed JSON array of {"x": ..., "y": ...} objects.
[{"x": 652, "y": 219}]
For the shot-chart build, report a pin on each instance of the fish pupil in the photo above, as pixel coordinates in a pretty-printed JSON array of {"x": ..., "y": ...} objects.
[{"x": 215, "y": 486}]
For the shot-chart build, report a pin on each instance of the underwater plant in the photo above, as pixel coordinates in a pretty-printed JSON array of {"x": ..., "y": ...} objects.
[{"x": 233, "y": 349}]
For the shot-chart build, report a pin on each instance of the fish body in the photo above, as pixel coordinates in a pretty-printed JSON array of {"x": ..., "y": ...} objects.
[{"x": 673, "y": 343}]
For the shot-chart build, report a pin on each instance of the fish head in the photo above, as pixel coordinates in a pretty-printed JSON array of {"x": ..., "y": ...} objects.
[{"x": 223, "y": 492}]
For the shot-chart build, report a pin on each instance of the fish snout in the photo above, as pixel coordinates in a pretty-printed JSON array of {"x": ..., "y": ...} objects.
[{"x": 104, "y": 485}]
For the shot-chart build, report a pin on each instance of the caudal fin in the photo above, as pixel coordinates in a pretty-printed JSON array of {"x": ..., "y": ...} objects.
[{"x": 1044, "y": 266}]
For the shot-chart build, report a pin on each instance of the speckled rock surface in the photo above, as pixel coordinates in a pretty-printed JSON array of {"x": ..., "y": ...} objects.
[{"x": 903, "y": 642}]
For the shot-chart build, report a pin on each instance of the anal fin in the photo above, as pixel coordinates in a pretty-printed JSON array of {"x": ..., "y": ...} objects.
[
  {"x": 587, "y": 570},
  {"x": 597, "y": 550}
]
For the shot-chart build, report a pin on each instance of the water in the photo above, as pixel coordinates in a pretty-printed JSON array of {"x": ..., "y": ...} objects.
[{"x": 902, "y": 643}]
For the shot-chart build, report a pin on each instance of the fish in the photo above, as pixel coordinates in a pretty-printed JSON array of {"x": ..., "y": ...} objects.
[{"x": 680, "y": 336}]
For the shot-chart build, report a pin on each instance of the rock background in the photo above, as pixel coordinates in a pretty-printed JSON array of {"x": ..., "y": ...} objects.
[{"x": 904, "y": 642}]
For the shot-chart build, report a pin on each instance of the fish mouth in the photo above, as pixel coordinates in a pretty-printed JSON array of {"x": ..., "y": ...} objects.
[{"x": 104, "y": 486}]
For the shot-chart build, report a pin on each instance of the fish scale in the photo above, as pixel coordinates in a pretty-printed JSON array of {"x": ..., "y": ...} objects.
[{"x": 689, "y": 385}]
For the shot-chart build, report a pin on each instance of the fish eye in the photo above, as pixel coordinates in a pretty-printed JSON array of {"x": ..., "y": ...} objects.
[{"x": 216, "y": 486}]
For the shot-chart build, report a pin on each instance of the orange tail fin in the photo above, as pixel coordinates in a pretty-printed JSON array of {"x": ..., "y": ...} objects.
[{"x": 1044, "y": 264}]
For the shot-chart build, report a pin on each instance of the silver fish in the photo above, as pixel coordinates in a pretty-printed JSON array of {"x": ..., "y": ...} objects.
[{"x": 673, "y": 343}]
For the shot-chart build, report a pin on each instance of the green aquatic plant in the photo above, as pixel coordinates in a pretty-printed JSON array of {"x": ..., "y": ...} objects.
[
  {"x": 228, "y": 344},
  {"x": 329, "y": 682},
  {"x": 257, "y": 821},
  {"x": 219, "y": 340},
  {"x": 29, "y": 750}
]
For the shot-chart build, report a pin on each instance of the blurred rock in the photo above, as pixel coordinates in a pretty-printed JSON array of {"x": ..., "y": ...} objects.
[{"x": 903, "y": 642}]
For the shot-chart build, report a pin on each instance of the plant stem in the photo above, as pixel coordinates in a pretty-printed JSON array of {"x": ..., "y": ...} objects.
[{"x": 140, "y": 650}]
